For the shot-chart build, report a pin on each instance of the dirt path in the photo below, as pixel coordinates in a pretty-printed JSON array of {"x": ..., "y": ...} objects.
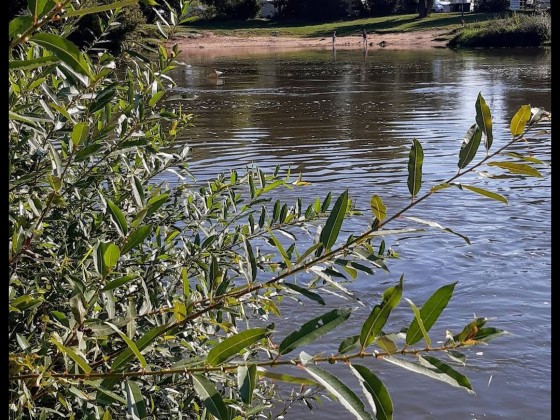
[{"x": 402, "y": 40}]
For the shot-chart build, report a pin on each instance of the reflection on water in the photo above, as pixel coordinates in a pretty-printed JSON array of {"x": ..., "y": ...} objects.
[{"x": 346, "y": 119}]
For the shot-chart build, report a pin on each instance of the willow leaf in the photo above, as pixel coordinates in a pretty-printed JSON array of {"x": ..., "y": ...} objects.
[
  {"x": 484, "y": 120},
  {"x": 430, "y": 312},
  {"x": 131, "y": 345},
  {"x": 280, "y": 248},
  {"x": 415, "y": 161},
  {"x": 469, "y": 146},
  {"x": 291, "y": 379},
  {"x": 340, "y": 391},
  {"x": 419, "y": 322},
  {"x": 305, "y": 292},
  {"x": 118, "y": 218},
  {"x": 375, "y": 391},
  {"x": 135, "y": 401},
  {"x": 448, "y": 370},
  {"x": 517, "y": 168},
  {"x": 234, "y": 344},
  {"x": 313, "y": 329},
  {"x": 210, "y": 397},
  {"x": 488, "y": 333},
  {"x": 251, "y": 261},
  {"x": 378, "y": 208},
  {"x": 438, "y": 226},
  {"x": 79, "y": 360},
  {"x": 348, "y": 344},
  {"x": 380, "y": 313},
  {"x": 386, "y": 344},
  {"x": 246, "y": 381},
  {"x": 431, "y": 371},
  {"x": 520, "y": 120},
  {"x": 64, "y": 49},
  {"x": 103, "y": 8},
  {"x": 111, "y": 255},
  {"x": 486, "y": 193},
  {"x": 32, "y": 63},
  {"x": 136, "y": 238},
  {"x": 330, "y": 232}
]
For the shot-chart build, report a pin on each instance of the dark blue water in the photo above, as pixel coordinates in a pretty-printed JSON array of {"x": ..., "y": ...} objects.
[{"x": 346, "y": 120}]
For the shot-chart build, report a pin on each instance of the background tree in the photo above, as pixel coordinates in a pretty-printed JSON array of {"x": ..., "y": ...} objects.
[
  {"x": 491, "y": 6},
  {"x": 425, "y": 8}
]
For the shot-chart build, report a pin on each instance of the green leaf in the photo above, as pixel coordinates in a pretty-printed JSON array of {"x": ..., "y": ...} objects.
[
  {"x": 246, "y": 381},
  {"x": 155, "y": 98},
  {"x": 280, "y": 248},
  {"x": 378, "y": 208},
  {"x": 155, "y": 203},
  {"x": 131, "y": 345},
  {"x": 119, "y": 282},
  {"x": 103, "y": 8},
  {"x": 517, "y": 168},
  {"x": 488, "y": 333},
  {"x": 334, "y": 222},
  {"x": 469, "y": 146},
  {"x": 470, "y": 331},
  {"x": 430, "y": 370},
  {"x": 380, "y": 313},
  {"x": 56, "y": 160},
  {"x": 375, "y": 391},
  {"x": 486, "y": 193},
  {"x": 64, "y": 49},
  {"x": 231, "y": 346},
  {"x": 441, "y": 186},
  {"x": 19, "y": 26},
  {"x": 438, "y": 226},
  {"x": 80, "y": 361},
  {"x": 461, "y": 379},
  {"x": 103, "y": 98},
  {"x": 32, "y": 63},
  {"x": 520, "y": 120},
  {"x": 210, "y": 397},
  {"x": 484, "y": 120},
  {"x": 313, "y": 329},
  {"x": 87, "y": 151},
  {"x": 305, "y": 292},
  {"x": 429, "y": 313},
  {"x": 136, "y": 238},
  {"x": 386, "y": 344},
  {"x": 251, "y": 261},
  {"x": 340, "y": 391},
  {"x": 79, "y": 133},
  {"x": 415, "y": 161},
  {"x": 348, "y": 344},
  {"x": 135, "y": 401},
  {"x": 419, "y": 322},
  {"x": 111, "y": 256},
  {"x": 261, "y": 372},
  {"x": 118, "y": 218}
]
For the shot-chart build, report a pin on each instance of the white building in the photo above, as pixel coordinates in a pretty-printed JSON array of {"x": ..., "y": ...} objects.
[
  {"x": 268, "y": 9},
  {"x": 529, "y": 4}
]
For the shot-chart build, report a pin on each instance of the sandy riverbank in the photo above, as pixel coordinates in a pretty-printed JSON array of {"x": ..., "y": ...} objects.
[{"x": 402, "y": 40}]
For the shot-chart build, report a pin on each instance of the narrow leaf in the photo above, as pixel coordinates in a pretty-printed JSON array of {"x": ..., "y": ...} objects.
[
  {"x": 118, "y": 218},
  {"x": 438, "y": 226},
  {"x": 210, "y": 397},
  {"x": 448, "y": 370},
  {"x": 261, "y": 372},
  {"x": 431, "y": 371},
  {"x": 520, "y": 120},
  {"x": 375, "y": 391},
  {"x": 305, "y": 292},
  {"x": 246, "y": 381},
  {"x": 419, "y": 322},
  {"x": 32, "y": 63},
  {"x": 80, "y": 361},
  {"x": 415, "y": 161},
  {"x": 330, "y": 232},
  {"x": 131, "y": 345},
  {"x": 251, "y": 261},
  {"x": 380, "y": 313},
  {"x": 486, "y": 193},
  {"x": 378, "y": 208},
  {"x": 429, "y": 313},
  {"x": 469, "y": 146},
  {"x": 484, "y": 120},
  {"x": 280, "y": 248},
  {"x": 111, "y": 256},
  {"x": 103, "y": 8},
  {"x": 313, "y": 329},
  {"x": 64, "y": 49},
  {"x": 348, "y": 344},
  {"x": 136, "y": 238},
  {"x": 340, "y": 391},
  {"x": 135, "y": 401},
  {"x": 79, "y": 133},
  {"x": 231, "y": 346},
  {"x": 517, "y": 168}
]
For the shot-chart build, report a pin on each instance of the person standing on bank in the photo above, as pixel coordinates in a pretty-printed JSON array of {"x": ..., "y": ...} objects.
[
  {"x": 364, "y": 35},
  {"x": 333, "y": 38}
]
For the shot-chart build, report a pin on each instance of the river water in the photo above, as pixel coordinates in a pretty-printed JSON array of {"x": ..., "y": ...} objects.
[{"x": 346, "y": 120}]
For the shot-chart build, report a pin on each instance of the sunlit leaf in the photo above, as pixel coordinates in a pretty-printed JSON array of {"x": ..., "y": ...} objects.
[
  {"x": 64, "y": 49},
  {"x": 469, "y": 146},
  {"x": 305, "y": 292},
  {"x": 386, "y": 344},
  {"x": 102, "y": 8},
  {"x": 378, "y": 208},
  {"x": 448, "y": 370},
  {"x": 246, "y": 381},
  {"x": 136, "y": 238},
  {"x": 484, "y": 120},
  {"x": 313, "y": 329},
  {"x": 80, "y": 361},
  {"x": 419, "y": 322},
  {"x": 520, "y": 120},
  {"x": 231, "y": 346},
  {"x": 430, "y": 312},
  {"x": 118, "y": 217},
  {"x": 111, "y": 256},
  {"x": 438, "y": 226},
  {"x": 471, "y": 330},
  {"x": 330, "y": 231},
  {"x": 348, "y": 344},
  {"x": 79, "y": 133},
  {"x": 340, "y": 391},
  {"x": 486, "y": 193},
  {"x": 375, "y": 391},
  {"x": 291, "y": 379},
  {"x": 210, "y": 397},
  {"x": 380, "y": 313},
  {"x": 32, "y": 63},
  {"x": 131, "y": 345},
  {"x": 517, "y": 168},
  {"x": 135, "y": 401},
  {"x": 488, "y": 333},
  {"x": 415, "y": 161}
]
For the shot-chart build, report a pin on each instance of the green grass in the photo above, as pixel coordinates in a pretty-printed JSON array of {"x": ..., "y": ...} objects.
[{"x": 395, "y": 23}]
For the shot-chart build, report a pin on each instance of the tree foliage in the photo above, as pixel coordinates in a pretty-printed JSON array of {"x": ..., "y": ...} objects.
[{"x": 134, "y": 296}]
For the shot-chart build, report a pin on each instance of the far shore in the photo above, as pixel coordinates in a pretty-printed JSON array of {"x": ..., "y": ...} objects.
[{"x": 189, "y": 43}]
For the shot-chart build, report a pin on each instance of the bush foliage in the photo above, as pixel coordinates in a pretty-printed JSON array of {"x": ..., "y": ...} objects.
[{"x": 133, "y": 297}]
